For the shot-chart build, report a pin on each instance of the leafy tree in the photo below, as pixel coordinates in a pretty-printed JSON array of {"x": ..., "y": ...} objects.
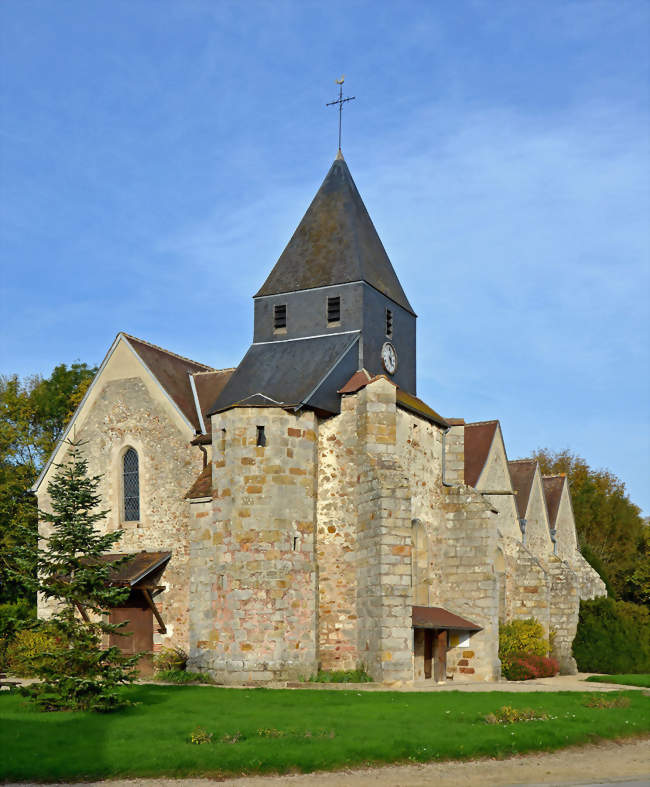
[
  {"x": 33, "y": 414},
  {"x": 67, "y": 567},
  {"x": 609, "y": 525}
]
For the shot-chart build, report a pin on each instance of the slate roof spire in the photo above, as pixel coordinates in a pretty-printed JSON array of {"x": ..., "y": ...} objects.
[{"x": 335, "y": 243}]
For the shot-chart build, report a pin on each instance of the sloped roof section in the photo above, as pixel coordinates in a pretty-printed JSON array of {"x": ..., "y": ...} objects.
[
  {"x": 522, "y": 472},
  {"x": 440, "y": 618},
  {"x": 202, "y": 487},
  {"x": 142, "y": 567},
  {"x": 553, "y": 488},
  {"x": 172, "y": 372},
  {"x": 283, "y": 374},
  {"x": 478, "y": 441},
  {"x": 208, "y": 387},
  {"x": 335, "y": 243}
]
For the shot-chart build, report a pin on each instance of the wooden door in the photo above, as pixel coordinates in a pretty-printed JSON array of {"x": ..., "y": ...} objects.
[
  {"x": 137, "y": 635},
  {"x": 428, "y": 653},
  {"x": 440, "y": 656}
]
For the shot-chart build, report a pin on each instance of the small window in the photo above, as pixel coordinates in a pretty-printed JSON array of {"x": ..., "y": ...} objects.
[
  {"x": 296, "y": 543},
  {"x": 280, "y": 316},
  {"x": 334, "y": 310},
  {"x": 131, "y": 486},
  {"x": 389, "y": 323},
  {"x": 261, "y": 437}
]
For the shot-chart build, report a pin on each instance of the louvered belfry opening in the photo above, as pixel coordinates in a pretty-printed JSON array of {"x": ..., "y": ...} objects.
[
  {"x": 131, "y": 486},
  {"x": 280, "y": 316},
  {"x": 389, "y": 323},
  {"x": 334, "y": 309}
]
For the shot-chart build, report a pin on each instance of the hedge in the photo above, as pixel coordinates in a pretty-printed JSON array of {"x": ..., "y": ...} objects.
[{"x": 612, "y": 637}]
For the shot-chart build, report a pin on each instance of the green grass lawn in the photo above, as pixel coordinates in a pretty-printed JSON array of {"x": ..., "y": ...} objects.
[
  {"x": 625, "y": 680},
  {"x": 261, "y": 730}
]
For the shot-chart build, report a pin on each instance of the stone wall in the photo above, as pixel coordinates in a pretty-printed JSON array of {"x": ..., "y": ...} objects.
[
  {"x": 122, "y": 414},
  {"x": 527, "y": 585},
  {"x": 254, "y": 612},
  {"x": 565, "y": 603}
]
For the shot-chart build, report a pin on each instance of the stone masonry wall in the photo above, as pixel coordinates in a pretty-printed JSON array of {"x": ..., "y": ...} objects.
[
  {"x": 527, "y": 585},
  {"x": 565, "y": 603},
  {"x": 338, "y": 476},
  {"x": 124, "y": 414},
  {"x": 253, "y": 564}
]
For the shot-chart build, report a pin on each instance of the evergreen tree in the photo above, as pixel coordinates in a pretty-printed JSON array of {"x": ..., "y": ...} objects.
[{"x": 67, "y": 567}]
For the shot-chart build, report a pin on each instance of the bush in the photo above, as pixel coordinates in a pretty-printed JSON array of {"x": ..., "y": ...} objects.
[
  {"x": 183, "y": 676},
  {"x": 12, "y": 617},
  {"x": 528, "y": 666},
  {"x": 30, "y": 648},
  {"x": 170, "y": 659},
  {"x": 521, "y": 637},
  {"x": 612, "y": 637},
  {"x": 341, "y": 676}
]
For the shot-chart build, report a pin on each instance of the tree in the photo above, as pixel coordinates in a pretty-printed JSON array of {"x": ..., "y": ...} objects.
[
  {"x": 67, "y": 567},
  {"x": 611, "y": 531},
  {"x": 33, "y": 414}
]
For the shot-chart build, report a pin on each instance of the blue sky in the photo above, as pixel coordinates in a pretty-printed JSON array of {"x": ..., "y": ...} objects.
[{"x": 156, "y": 157}]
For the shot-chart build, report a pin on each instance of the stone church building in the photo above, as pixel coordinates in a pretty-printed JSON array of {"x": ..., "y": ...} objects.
[{"x": 306, "y": 509}]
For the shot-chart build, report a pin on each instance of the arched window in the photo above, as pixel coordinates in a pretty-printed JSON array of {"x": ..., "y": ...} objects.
[{"x": 131, "y": 486}]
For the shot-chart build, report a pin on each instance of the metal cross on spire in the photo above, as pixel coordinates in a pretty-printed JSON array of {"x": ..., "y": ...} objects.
[{"x": 340, "y": 101}]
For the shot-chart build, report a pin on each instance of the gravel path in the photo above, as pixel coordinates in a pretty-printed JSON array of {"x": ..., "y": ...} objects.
[{"x": 604, "y": 763}]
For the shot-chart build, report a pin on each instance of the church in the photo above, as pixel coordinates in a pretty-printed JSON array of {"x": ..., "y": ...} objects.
[{"x": 307, "y": 510}]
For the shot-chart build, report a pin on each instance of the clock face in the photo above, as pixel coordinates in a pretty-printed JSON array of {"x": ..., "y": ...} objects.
[{"x": 389, "y": 357}]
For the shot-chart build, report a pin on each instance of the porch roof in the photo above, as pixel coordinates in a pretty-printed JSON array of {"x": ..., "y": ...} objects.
[
  {"x": 139, "y": 567},
  {"x": 440, "y": 618}
]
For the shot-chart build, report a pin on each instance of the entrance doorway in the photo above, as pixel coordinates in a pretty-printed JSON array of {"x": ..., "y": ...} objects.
[
  {"x": 435, "y": 654},
  {"x": 137, "y": 635}
]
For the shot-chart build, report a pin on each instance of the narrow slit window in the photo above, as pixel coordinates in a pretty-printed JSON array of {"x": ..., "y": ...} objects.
[
  {"x": 261, "y": 436},
  {"x": 389, "y": 323},
  {"x": 131, "y": 486},
  {"x": 334, "y": 310},
  {"x": 296, "y": 542},
  {"x": 280, "y": 316}
]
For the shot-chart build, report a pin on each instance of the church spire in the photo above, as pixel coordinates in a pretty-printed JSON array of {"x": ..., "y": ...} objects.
[{"x": 335, "y": 243}]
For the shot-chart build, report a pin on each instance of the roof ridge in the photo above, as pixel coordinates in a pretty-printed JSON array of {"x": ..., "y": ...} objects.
[
  {"x": 517, "y": 461},
  {"x": 213, "y": 371},
  {"x": 555, "y": 475},
  {"x": 169, "y": 352},
  {"x": 483, "y": 423}
]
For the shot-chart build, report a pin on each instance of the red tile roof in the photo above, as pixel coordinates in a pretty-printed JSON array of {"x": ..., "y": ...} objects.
[
  {"x": 439, "y": 618},
  {"x": 172, "y": 372},
  {"x": 522, "y": 472},
  {"x": 208, "y": 387},
  {"x": 478, "y": 441},
  {"x": 202, "y": 487}
]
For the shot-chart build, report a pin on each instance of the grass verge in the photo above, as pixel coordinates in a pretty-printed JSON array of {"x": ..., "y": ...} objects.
[
  {"x": 264, "y": 731},
  {"x": 624, "y": 680}
]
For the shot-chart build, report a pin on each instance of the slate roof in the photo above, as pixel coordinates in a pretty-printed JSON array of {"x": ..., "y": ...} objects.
[
  {"x": 172, "y": 372},
  {"x": 283, "y": 373},
  {"x": 478, "y": 441},
  {"x": 335, "y": 243},
  {"x": 522, "y": 472},
  {"x": 553, "y": 488}
]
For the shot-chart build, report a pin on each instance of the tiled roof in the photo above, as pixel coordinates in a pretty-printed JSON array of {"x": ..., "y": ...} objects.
[
  {"x": 440, "y": 618},
  {"x": 208, "y": 387},
  {"x": 478, "y": 441},
  {"x": 140, "y": 566},
  {"x": 172, "y": 372},
  {"x": 335, "y": 243},
  {"x": 405, "y": 400},
  {"x": 202, "y": 487},
  {"x": 553, "y": 487},
  {"x": 522, "y": 472}
]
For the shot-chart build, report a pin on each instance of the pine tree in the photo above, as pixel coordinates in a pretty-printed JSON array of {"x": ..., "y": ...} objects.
[{"x": 66, "y": 566}]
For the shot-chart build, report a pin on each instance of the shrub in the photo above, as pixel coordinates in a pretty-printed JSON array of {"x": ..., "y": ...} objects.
[
  {"x": 341, "y": 676},
  {"x": 521, "y": 637},
  {"x": 509, "y": 715},
  {"x": 12, "y": 617},
  {"x": 603, "y": 701},
  {"x": 30, "y": 649},
  {"x": 612, "y": 637},
  {"x": 170, "y": 659},
  {"x": 528, "y": 666},
  {"x": 183, "y": 676},
  {"x": 200, "y": 735}
]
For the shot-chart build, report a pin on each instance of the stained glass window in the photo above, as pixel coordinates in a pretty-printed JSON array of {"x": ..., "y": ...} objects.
[{"x": 131, "y": 487}]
